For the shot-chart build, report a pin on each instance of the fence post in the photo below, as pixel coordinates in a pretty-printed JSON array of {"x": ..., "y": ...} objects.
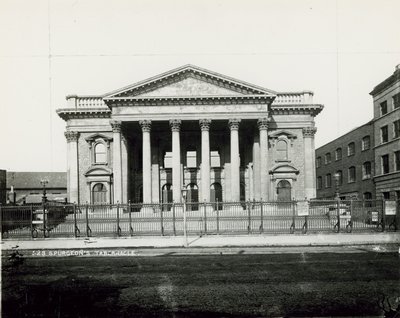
[
  {"x": 173, "y": 217},
  {"x": 161, "y": 220},
  {"x": 217, "y": 216},
  {"x": 130, "y": 218},
  {"x": 76, "y": 230},
  {"x": 383, "y": 215},
  {"x": 205, "y": 217},
  {"x": 262, "y": 217},
  {"x": 31, "y": 210},
  {"x": 249, "y": 217},
  {"x": 118, "y": 227},
  {"x": 293, "y": 226},
  {"x": 45, "y": 234},
  {"x": 88, "y": 230},
  {"x": 338, "y": 215}
]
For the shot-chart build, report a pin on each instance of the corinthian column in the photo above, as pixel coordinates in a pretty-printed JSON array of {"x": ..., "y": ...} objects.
[
  {"x": 146, "y": 128},
  {"x": 117, "y": 160},
  {"x": 72, "y": 166},
  {"x": 235, "y": 160},
  {"x": 264, "y": 176},
  {"x": 309, "y": 165},
  {"x": 205, "y": 159},
  {"x": 176, "y": 159}
]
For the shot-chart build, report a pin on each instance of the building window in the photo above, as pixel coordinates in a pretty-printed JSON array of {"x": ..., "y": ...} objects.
[
  {"x": 396, "y": 100},
  {"x": 319, "y": 183},
  {"x": 385, "y": 164},
  {"x": 366, "y": 143},
  {"x": 338, "y": 154},
  {"x": 339, "y": 177},
  {"x": 397, "y": 160},
  {"x": 396, "y": 128},
  {"x": 351, "y": 149},
  {"x": 215, "y": 161},
  {"x": 328, "y": 180},
  {"x": 352, "y": 175},
  {"x": 318, "y": 162},
  {"x": 366, "y": 170},
  {"x": 191, "y": 161},
  {"x": 386, "y": 195},
  {"x": 384, "y": 108},
  {"x": 367, "y": 196},
  {"x": 168, "y": 160},
  {"x": 100, "y": 153},
  {"x": 328, "y": 158},
  {"x": 384, "y": 134},
  {"x": 281, "y": 150}
]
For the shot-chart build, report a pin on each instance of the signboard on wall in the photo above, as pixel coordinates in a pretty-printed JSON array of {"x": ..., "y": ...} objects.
[
  {"x": 390, "y": 207},
  {"x": 302, "y": 208}
]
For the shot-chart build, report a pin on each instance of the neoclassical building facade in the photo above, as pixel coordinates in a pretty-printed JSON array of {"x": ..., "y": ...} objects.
[{"x": 220, "y": 138}]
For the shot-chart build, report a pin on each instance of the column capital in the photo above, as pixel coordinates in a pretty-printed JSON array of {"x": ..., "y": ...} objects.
[
  {"x": 116, "y": 125},
  {"x": 234, "y": 123},
  {"x": 145, "y": 124},
  {"x": 175, "y": 124},
  {"x": 71, "y": 136},
  {"x": 309, "y": 131},
  {"x": 205, "y": 124},
  {"x": 262, "y": 123}
]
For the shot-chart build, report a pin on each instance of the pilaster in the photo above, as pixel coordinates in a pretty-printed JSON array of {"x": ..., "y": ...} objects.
[{"x": 72, "y": 166}]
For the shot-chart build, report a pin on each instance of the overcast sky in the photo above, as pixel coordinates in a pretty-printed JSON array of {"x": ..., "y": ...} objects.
[{"x": 49, "y": 49}]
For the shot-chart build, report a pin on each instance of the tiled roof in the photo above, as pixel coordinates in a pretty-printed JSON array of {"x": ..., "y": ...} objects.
[{"x": 31, "y": 180}]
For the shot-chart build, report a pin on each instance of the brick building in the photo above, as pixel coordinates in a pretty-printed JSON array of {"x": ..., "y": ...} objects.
[
  {"x": 370, "y": 160},
  {"x": 386, "y": 97},
  {"x": 351, "y": 156},
  {"x": 220, "y": 138},
  {"x": 3, "y": 187},
  {"x": 25, "y": 187}
]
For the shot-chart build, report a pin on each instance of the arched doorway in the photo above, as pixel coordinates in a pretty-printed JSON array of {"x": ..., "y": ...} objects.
[
  {"x": 99, "y": 194},
  {"x": 284, "y": 191},
  {"x": 216, "y": 195},
  {"x": 167, "y": 197},
  {"x": 192, "y": 197}
]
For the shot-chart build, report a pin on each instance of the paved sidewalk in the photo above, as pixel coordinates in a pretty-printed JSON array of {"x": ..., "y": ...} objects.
[{"x": 342, "y": 239}]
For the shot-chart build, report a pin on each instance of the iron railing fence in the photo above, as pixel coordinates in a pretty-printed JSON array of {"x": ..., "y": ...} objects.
[{"x": 199, "y": 218}]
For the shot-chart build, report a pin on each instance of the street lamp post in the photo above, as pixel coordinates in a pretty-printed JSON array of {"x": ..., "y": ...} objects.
[
  {"x": 43, "y": 182},
  {"x": 184, "y": 196}
]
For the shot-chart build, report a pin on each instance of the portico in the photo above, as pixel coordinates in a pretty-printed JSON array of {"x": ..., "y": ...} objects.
[{"x": 221, "y": 138}]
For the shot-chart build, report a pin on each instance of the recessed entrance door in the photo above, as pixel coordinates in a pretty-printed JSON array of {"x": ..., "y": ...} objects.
[
  {"x": 192, "y": 197},
  {"x": 99, "y": 193},
  {"x": 284, "y": 191}
]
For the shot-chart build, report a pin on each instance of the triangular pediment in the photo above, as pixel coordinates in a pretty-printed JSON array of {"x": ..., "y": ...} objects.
[{"x": 188, "y": 81}]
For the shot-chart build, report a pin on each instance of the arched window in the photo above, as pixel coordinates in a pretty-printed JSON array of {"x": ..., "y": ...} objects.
[
  {"x": 281, "y": 150},
  {"x": 99, "y": 193},
  {"x": 284, "y": 190},
  {"x": 192, "y": 198},
  {"x": 351, "y": 175},
  {"x": 167, "y": 196},
  {"x": 100, "y": 153},
  {"x": 366, "y": 170},
  {"x": 339, "y": 177},
  {"x": 216, "y": 195},
  {"x": 351, "y": 148},
  {"x": 338, "y": 154}
]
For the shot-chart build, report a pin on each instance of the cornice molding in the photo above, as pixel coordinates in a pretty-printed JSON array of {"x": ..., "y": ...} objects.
[
  {"x": 309, "y": 109},
  {"x": 68, "y": 113},
  {"x": 191, "y": 100}
]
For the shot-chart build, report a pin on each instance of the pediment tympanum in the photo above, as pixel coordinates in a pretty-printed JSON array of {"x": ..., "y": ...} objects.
[
  {"x": 284, "y": 168},
  {"x": 189, "y": 81}
]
